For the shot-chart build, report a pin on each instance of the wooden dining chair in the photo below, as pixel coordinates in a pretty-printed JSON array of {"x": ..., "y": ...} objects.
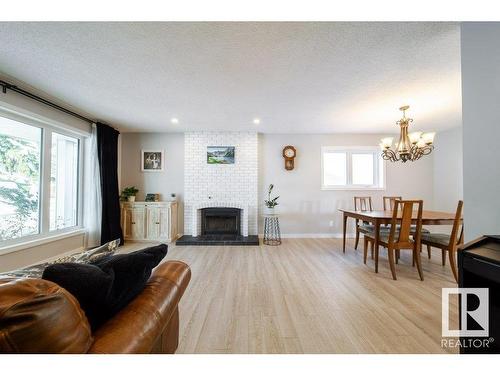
[
  {"x": 388, "y": 202},
  {"x": 400, "y": 237},
  {"x": 362, "y": 204},
  {"x": 448, "y": 242}
]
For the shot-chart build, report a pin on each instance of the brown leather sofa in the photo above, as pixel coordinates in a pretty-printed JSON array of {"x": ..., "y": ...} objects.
[{"x": 38, "y": 316}]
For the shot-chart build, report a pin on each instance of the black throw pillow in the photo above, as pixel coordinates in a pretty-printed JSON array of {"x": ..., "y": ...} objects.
[{"x": 106, "y": 286}]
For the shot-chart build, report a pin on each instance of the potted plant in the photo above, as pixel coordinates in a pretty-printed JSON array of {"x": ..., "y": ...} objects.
[
  {"x": 271, "y": 203},
  {"x": 129, "y": 193}
]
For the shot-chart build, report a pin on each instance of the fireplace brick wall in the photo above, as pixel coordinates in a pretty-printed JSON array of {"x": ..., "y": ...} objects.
[{"x": 222, "y": 185}]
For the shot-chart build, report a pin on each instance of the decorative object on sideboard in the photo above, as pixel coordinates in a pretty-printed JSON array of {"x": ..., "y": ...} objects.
[
  {"x": 173, "y": 197},
  {"x": 152, "y": 197},
  {"x": 129, "y": 193},
  {"x": 411, "y": 146},
  {"x": 152, "y": 160},
  {"x": 271, "y": 203},
  {"x": 289, "y": 153},
  {"x": 220, "y": 154}
]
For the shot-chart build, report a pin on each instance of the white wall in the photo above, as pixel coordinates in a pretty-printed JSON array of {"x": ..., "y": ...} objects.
[
  {"x": 171, "y": 180},
  {"x": 481, "y": 131},
  {"x": 39, "y": 253},
  {"x": 304, "y": 208},
  {"x": 220, "y": 184},
  {"x": 448, "y": 169}
]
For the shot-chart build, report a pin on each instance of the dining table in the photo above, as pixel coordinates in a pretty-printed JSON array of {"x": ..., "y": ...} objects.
[{"x": 384, "y": 217}]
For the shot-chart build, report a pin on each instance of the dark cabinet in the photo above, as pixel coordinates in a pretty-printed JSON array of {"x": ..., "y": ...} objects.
[{"x": 479, "y": 267}]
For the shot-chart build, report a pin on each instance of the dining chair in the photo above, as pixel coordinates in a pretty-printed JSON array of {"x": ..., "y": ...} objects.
[
  {"x": 362, "y": 204},
  {"x": 388, "y": 202},
  {"x": 447, "y": 242},
  {"x": 400, "y": 237}
]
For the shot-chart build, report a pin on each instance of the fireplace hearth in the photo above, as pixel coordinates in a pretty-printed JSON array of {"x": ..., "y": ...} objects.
[{"x": 220, "y": 226}]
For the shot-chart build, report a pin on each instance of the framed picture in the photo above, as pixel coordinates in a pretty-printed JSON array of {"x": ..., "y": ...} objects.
[
  {"x": 220, "y": 155},
  {"x": 152, "y": 160}
]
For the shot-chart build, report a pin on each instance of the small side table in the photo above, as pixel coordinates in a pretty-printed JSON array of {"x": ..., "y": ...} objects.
[{"x": 272, "y": 234}]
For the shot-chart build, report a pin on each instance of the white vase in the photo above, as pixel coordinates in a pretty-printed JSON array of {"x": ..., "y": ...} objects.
[
  {"x": 269, "y": 211},
  {"x": 131, "y": 198}
]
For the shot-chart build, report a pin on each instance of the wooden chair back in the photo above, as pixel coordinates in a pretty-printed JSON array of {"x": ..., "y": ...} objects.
[
  {"x": 389, "y": 202},
  {"x": 457, "y": 236},
  {"x": 402, "y": 239},
  {"x": 363, "y": 203}
]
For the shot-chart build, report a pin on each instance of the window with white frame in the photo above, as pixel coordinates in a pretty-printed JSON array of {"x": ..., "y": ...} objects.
[
  {"x": 40, "y": 180},
  {"x": 352, "y": 168}
]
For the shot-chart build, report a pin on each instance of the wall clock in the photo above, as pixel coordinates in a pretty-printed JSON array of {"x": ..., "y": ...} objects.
[{"x": 289, "y": 154}]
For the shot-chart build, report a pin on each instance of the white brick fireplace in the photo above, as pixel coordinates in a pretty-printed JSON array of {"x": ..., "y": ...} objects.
[{"x": 220, "y": 185}]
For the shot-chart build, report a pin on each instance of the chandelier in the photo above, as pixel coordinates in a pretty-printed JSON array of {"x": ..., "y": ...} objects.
[{"x": 411, "y": 146}]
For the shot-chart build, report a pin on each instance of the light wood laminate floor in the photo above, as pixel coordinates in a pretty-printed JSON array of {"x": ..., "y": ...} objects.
[{"x": 306, "y": 296}]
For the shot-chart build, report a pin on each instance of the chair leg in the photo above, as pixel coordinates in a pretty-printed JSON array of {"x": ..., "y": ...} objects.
[
  {"x": 443, "y": 257},
  {"x": 372, "y": 243},
  {"x": 365, "y": 249},
  {"x": 416, "y": 255},
  {"x": 390, "y": 252},
  {"x": 397, "y": 256},
  {"x": 429, "y": 251},
  {"x": 357, "y": 240},
  {"x": 453, "y": 264}
]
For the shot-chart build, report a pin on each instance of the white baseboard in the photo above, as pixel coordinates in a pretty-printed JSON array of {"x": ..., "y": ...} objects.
[{"x": 313, "y": 235}]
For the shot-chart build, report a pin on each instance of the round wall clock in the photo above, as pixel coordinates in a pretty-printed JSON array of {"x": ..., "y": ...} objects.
[{"x": 289, "y": 154}]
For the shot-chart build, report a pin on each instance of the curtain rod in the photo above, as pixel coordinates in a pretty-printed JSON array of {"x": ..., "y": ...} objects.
[{"x": 8, "y": 86}]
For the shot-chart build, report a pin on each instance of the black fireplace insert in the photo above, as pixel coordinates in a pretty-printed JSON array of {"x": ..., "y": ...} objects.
[{"x": 220, "y": 220}]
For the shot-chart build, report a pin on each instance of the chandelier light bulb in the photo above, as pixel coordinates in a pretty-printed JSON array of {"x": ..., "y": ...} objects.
[
  {"x": 387, "y": 142},
  {"x": 428, "y": 137},
  {"x": 415, "y": 137}
]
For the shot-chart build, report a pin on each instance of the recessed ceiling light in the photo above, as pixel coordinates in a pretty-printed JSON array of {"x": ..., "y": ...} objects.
[
  {"x": 256, "y": 121},
  {"x": 174, "y": 120}
]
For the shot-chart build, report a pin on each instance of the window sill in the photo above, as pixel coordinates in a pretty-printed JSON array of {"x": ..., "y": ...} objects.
[
  {"x": 40, "y": 241},
  {"x": 353, "y": 188}
]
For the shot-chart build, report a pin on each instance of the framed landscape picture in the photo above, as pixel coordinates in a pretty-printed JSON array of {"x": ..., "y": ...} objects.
[
  {"x": 220, "y": 155},
  {"x": 152, "y": 160}
]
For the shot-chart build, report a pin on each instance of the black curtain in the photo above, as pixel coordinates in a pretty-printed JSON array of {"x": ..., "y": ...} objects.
[{"x": 107, "y": 149}]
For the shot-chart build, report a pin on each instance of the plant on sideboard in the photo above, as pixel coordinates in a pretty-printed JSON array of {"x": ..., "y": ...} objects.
[
  {"x": 271, "y": 203},
  {"x": 129, "y": 193}
]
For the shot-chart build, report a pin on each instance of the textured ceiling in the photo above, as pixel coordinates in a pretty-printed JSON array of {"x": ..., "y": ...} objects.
[{"x": 295, "y": 77}]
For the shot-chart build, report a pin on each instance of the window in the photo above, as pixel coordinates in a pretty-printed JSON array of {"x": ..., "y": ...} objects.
[
  {"x": 39, "y": 179},
  {"x": 352, "y": 168},
  {"x": 20, "y": 154},
  {"x": 63, "y": 181},
  {"x": 336, "y": 172}
]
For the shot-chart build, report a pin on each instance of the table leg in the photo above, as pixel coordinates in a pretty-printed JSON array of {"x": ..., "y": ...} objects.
[
  {"x": 345, "y": 228},
  {"x": 375, "y": 244}
]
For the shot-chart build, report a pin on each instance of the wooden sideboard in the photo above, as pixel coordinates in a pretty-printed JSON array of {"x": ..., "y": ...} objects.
[{"x": 149, "y": 221}]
